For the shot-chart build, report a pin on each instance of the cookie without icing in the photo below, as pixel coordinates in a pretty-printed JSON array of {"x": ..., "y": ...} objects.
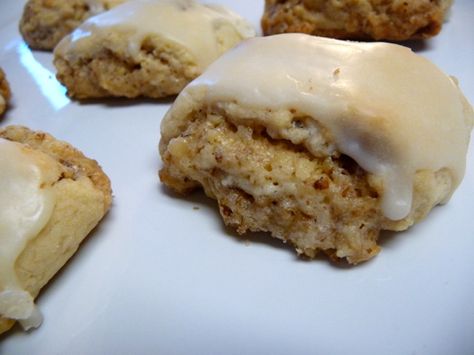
[
  {"x": 45, "y": 22},
  {"x": 391, "y": 20}
]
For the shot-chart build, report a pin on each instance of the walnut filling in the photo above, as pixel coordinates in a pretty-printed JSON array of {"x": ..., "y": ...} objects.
[{"x": 266, "y": 184}]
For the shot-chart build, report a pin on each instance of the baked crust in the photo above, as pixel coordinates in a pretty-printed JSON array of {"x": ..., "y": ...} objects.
[
  {"x": 356, "y": 19},
  {"x": 45, "y": 22},
  {"x": 5, "y": 93},
  {"x": 83, "y": 197}
]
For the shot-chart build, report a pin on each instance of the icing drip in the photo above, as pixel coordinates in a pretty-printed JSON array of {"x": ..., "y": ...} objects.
[{"x": 26, "y": 208}]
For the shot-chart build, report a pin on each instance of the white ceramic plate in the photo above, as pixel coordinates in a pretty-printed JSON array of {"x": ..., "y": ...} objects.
[{"x": 162, "y": 277}]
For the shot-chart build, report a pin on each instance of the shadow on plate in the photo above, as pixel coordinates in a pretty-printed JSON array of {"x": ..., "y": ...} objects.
[
  {"x": 198, "y": 200},
  {"x": 5, "y": 117},
  {"x": 416, "y": 46},
  {"x": 118, "y": 102}
]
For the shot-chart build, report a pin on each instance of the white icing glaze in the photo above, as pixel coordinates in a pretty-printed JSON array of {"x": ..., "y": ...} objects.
[
  {"x": 26, "y": 208},
  {"x": 185, "y": 22},
  {"x": 392, "y": 111}
]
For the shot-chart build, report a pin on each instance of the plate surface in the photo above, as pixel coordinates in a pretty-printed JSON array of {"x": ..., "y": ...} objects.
[{"x": 161, "y": 274}]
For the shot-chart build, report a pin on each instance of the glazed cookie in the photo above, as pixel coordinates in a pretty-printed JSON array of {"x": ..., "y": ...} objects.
[
  {"x": 45, "y": 22},
  {"x": 149, "y": 48},
  {"x": 361, "y": 19},
  {"x": 355, "y": 139},
  {"x": 5, "y": 93},
  {"x": 54, "y": 196}
]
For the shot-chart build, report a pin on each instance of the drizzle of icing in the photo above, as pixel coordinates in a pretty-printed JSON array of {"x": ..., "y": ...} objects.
[
  {"x": 392, "y": 111},
  {"x": 27, "y": 204}
]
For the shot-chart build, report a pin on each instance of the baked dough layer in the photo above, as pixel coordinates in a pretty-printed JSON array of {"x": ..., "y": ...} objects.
[
  {"x": 84, "y": 196},
  {"x": 326, "y": 203},
  {"x": 5, "y": 92},
  {"x": 159, "y": 69},
  {"x": 45, "y": 22},
  {"x": 356, "y": 19}
]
